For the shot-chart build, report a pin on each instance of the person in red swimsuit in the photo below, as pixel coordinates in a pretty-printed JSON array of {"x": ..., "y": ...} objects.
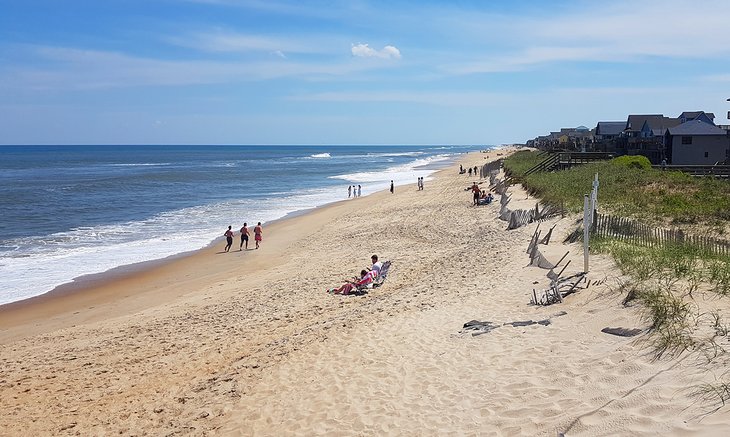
[
  {"x": 347, "y": 288},
  {"x": 258, "y": 234}
]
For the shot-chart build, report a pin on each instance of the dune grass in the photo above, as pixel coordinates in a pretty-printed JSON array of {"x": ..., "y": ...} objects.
[
  {"x": 663, "y": 281},
  {"x": 629, "y": 188}
]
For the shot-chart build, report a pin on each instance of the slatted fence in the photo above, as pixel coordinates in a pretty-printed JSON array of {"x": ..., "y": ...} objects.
[{"x": 634, "y": 232}]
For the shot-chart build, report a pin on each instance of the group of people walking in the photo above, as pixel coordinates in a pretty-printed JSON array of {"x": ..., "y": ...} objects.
[
  {"x": 245, "y": 233},
  {"x": 353, "y": 191}
]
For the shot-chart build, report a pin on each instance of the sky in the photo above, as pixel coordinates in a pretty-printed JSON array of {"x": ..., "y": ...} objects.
[{"x": 351, "y": 72}]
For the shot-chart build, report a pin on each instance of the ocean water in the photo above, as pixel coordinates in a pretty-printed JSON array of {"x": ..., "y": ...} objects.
[{"x": 68, "y": 211}]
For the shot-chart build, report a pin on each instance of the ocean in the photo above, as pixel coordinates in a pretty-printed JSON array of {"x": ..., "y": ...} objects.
[{"x": 69, "y": 211}]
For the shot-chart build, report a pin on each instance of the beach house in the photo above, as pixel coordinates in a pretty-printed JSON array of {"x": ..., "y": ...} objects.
[{"x": 697, "y": 142}]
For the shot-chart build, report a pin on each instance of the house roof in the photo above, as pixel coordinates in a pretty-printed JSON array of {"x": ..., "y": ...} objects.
[
  {"x": 636, "y": 121},
  {"x": 610, "y": 127},
  {"x": 696, "y": 127},
  {"x": 691, "y": 115},
  {"x": 659, "y": 124},
  {"x": 654, "y": 121}
]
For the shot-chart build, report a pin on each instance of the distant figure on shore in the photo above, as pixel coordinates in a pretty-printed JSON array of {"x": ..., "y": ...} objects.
[
  {"x": 391, "y": 187},
  {"x": 229, "y": 239},
  {"x": 418, "y": 184},
  {"x": 244, "y": 236},
  {"x": 476, "y": 170},
  {"x": 476, "y": 191},
  {"x": 461, "y": 169},
  {"x": 349, "y": 191},
  {"x": 258, "y": 234},
  {"x": 469, "y": 171},
  {"x": 359, "y": 191}
]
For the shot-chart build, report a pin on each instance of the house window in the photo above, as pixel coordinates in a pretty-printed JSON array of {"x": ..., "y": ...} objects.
[
  {"x": 707, "y": 154},
  {"x": 686, "y": 140}
]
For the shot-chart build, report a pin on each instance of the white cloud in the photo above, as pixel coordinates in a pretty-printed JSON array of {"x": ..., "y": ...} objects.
[
  {"x": 621, "y": 31},
  {"x": 365, "y": 51},
  {"x": 73, "y": 69},
  {"x": 223, "y": 41}
]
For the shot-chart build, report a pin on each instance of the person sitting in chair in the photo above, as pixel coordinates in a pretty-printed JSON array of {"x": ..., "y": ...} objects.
[
  {"x": 377, "y": 265},
  {"x": 347, "y": 288}
]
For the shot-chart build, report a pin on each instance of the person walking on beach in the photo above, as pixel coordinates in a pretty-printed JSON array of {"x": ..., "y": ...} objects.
[
  {"x": 475, "y": 189},
  {"x": 469, "y": 171},
  {"x": 229, "y": 239},
  {"x": 244, "y": 236},
  {"x": 349, "y": 191},
  {"x": 391, "y": 187},
  {"x": 359, "y": 191},
  {"x": 258, "y": 234},
  {"x": 475, "y": 170}
]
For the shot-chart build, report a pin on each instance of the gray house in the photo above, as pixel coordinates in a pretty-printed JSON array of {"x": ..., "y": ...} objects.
[
  {"x": 608, "y": 130},
  {"x": 697, "y": 142},
  {"x": 707, "y": 117}
]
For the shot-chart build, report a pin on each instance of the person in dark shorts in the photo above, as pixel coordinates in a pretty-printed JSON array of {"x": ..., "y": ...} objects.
[
  {"x": 229, "y": 239},
  {"x": 244, "y": 236}
]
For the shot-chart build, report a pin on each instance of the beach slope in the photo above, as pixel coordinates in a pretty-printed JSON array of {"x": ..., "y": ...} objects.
[{"x": 249, "y": 343}]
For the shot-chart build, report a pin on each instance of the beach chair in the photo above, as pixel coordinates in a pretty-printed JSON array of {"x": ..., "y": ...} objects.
[{"x": 380, "y": 279}]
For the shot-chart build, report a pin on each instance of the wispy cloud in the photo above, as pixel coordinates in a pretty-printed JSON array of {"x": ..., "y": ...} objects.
[
  {"x": 461, "y": 99},
  {"x": 224, "y": 41},
  {"x": 606, "y": 32},
  {"x": 69, "y": 68},
  {"x": 365, "y": 51}
]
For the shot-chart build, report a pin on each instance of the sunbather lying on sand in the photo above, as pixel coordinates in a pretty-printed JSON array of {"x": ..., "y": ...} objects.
[{"x": 347, "y": 288}]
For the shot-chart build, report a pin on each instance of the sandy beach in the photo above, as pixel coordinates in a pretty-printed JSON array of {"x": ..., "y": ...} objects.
[{"x": 249, "y": 343}]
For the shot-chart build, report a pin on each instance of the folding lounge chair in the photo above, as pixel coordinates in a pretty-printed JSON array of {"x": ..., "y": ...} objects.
[{"x": 383, "y": 275}]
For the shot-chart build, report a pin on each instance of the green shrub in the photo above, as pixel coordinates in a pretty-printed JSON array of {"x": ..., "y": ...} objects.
[{"x": 633, "y": 161}]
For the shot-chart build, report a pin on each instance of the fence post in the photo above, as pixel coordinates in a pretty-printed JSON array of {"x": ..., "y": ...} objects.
[{"x": 586, "y": 230}]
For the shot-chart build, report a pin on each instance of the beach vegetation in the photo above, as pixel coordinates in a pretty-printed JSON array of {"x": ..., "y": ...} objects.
[
  {"x": 629, "y": 186},
  {"x": 671, "y": 283}
]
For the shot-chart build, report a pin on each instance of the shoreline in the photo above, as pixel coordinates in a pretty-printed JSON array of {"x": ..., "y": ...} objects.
[
  {"x": 86, "y": 283},
  {"x": 251, "y": 344},
  {"x": 99, "y": 290}
]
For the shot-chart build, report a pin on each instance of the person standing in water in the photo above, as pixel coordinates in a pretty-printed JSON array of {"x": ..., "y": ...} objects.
[
  {"x": 229, "y": 239},
  {"x": 258, "y": 234},
  {"x": 349, "y": 191},
  {"x": 359, "y": 191},
  {"x": 391, "y": 187},
  {"x": 244, "y": 236}
]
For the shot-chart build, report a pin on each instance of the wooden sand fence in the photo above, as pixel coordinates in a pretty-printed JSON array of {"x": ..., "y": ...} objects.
[{"x": 633, "y": 232}]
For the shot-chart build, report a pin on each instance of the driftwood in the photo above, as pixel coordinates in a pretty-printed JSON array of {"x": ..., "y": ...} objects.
[{"x": 622, "y": 332}]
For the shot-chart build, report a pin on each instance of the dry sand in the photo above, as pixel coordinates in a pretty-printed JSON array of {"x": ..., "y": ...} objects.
[{"x": 249, "y": 343}]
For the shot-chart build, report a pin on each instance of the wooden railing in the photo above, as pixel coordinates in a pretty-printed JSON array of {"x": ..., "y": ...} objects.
[{"x": 720, "y": 171}]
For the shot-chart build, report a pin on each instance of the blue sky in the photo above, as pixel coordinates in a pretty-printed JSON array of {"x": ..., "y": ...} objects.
[{"x": 350, "y": 72}]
